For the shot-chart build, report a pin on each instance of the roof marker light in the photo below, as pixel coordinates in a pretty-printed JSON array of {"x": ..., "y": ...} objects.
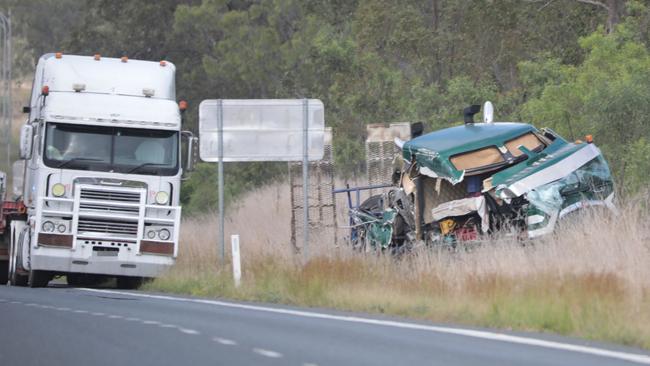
[
  {"x": 58, "y": 55},
  {"x": 45, "y": 90},
  {"x": 182, "y": 105},
  {"x": 124, "y": 59},
  {"x": 589, "y": 139},
  {"x": 78, "y": 87},
  {"x": 148, "y": 92},
  {"x": 163, "y": 63},
  {"x": 97, "y": 57}
]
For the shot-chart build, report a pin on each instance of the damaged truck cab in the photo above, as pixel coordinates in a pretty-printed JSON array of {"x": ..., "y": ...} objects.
[{"x": 463, "y": 182}]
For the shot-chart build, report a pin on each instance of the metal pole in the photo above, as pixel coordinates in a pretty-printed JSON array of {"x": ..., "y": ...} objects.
[
  {"x": 5, "y": 79},
  {"x": 305, "y": 175},
  {"x": 222, "y": 237},
  {"x": 9, "y": 80}
]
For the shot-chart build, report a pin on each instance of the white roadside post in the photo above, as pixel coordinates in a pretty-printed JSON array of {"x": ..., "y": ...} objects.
[
  {"x": 242, "y": 130},
  {"x": 236, "y": 259}
]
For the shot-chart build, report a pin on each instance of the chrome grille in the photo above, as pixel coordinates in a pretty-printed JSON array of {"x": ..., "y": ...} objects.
[
  {"x": 109, "y": 201},
  {"x": 97, "y": 207},
  {"x": 102, "y": 195},
  {"x": 117, "y": 228},
  {"x": 109, "y": 211}
]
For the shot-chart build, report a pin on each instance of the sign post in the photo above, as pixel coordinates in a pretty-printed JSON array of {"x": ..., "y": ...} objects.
[
  {"x": 305, "y": 177},
  {"x": 262, "y": 130},
  {"x": 222, "y": 238}
]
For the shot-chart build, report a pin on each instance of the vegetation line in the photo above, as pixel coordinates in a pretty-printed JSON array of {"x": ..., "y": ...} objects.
[{"x": 590, "y": 280}]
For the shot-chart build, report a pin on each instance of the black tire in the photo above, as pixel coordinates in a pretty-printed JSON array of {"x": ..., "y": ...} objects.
[
  {"x": 4, "y": 272},
  {"x": 18, "y": 280},
  {"x": 5, "y": 241},
  {"x": 129, "y": 283},
  {"x": 84, "y": 279},
  {"x": 39, "y": 278},
  {"x": 15, "y": 278}
]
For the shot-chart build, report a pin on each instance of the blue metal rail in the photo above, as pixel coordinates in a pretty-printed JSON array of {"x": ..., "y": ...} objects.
[
  {"x": 353, "y": 205},
  {"x": 357, "y": 191}
]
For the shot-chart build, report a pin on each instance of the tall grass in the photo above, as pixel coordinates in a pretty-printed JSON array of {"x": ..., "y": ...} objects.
[{"x": 591, "y": 279}]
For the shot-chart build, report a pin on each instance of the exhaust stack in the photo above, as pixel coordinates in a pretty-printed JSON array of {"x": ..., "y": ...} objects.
[{"x": 469, "y": 113}]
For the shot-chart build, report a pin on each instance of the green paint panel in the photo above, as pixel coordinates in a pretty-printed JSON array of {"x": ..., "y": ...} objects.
[
  {"x": 434, "y": 149},
  {"x": 381, "y": 232},
  {"x": 553, "y": 153}
]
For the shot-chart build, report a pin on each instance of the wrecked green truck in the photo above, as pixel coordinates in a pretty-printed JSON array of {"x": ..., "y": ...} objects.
[{"x": 464, "y": 183}]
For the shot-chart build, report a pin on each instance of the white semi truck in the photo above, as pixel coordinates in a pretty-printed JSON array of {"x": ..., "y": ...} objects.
[{"x": 101, "y": 185}]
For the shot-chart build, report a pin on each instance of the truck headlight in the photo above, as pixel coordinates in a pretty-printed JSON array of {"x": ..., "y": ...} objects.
[
  {"x": 162, "y": 198},
  {"x": 61, "y": 228},
  {"x": 58, "y": 190},
  {"x": 164, "y": 234},
  {"x": 48, "y": 226},
  {"x": 151, "y": 234}
]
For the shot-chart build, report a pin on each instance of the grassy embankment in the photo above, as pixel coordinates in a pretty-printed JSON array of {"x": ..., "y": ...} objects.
[{"x": 592, "y": 280}]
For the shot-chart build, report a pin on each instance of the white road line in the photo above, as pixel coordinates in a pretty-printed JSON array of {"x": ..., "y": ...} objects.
[
  {"x": 153, "y": 322},
  {"x": 632, "y": 357},
  {"x": 267, "y": 353},
  {"x": 81, "y": 311},
  {"x": 224, "y": 341},
  {"x": 309, "y": 364},
  {"x": 115, "y": 317},
  {"x": 63, "y": 309},
  {"x": 189, "y": 331},
  {"x": 163, "y": 325},
  {"x": 31, "y": 304},
  {"x": 15, "y": 302},
  {"x": 130, "y": 319},
  {"x": 97, "y": 314}
]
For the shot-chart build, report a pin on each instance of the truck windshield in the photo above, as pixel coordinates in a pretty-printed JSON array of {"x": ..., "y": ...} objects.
[{"x": 123, "y": 150}]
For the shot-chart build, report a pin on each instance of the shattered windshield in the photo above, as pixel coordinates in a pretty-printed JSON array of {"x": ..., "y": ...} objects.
[{"x": 99, "y": 148}]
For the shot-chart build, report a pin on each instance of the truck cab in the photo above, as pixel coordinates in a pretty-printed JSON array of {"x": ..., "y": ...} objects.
[{"x": 102, "y": 151}]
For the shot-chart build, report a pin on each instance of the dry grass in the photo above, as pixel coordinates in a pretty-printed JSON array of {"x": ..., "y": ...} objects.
[{"x": 591, "y": 280}]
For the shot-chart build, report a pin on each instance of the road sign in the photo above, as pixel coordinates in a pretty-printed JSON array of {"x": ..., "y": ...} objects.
[{"x": 260, "y": 129}]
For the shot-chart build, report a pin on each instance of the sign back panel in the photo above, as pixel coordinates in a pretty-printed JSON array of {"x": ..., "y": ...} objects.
[{"x": 261, "y": 129}]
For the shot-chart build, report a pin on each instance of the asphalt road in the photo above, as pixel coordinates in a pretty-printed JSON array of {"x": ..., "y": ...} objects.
[{"x": 67, "y": 326}]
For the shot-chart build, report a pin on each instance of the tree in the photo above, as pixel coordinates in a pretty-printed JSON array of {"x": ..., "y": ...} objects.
[
  {"x": 608, "y": 95},
  {"x": 614, "y": 9}
]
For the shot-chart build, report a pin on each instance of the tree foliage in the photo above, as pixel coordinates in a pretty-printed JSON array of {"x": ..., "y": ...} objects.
[{"x": 607, "y": 96}]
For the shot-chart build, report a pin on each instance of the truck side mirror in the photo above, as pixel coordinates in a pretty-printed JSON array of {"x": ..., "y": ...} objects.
[
  {"x": 191, "y": 142},
  {"x": 26, "y": 141}
]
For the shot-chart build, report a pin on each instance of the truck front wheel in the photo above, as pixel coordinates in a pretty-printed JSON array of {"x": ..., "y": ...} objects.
[
  {"x": 129, "y": 283},
  {"x": 16, "y": 238},
  {"x": 84, "y": 279},
  {"x": 39, "y": 278},
  {"x": 4, "y": 272},
  {"x": 16, "y": 279}
]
